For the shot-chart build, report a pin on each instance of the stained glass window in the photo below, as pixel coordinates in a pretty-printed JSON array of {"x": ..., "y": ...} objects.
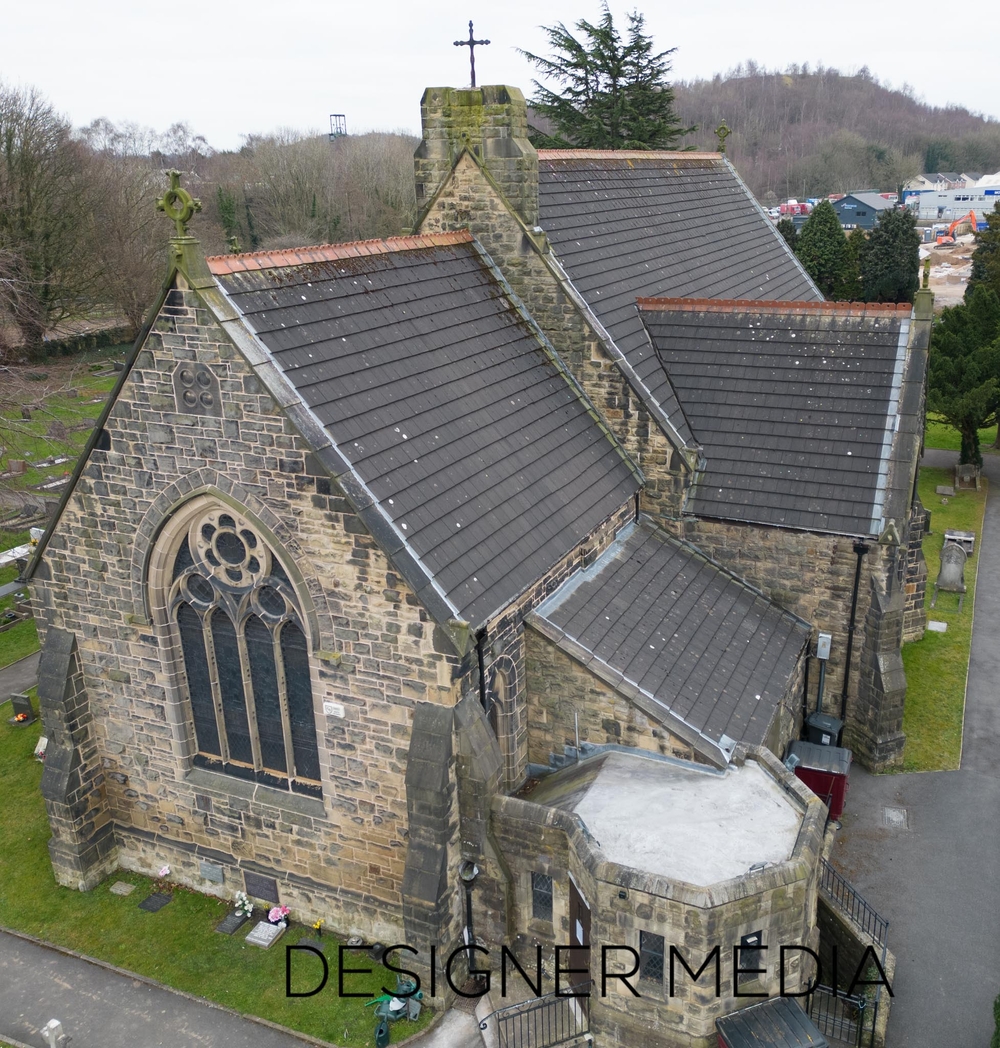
[{"x": 246, "y": 658}]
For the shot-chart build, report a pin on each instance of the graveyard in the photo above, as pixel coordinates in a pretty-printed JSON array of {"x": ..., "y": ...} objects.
[
  {"x": 937, "y": 666},
  {"x": 177, "y": 943}
]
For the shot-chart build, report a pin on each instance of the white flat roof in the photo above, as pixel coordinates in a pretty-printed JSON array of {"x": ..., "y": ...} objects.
[{"x": 690, "y": 825}]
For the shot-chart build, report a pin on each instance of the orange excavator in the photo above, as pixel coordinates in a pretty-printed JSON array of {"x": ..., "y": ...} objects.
[{"x": 949, "y": 237}]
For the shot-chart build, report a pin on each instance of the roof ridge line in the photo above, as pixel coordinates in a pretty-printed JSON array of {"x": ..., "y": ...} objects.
[
  {"x": 742, "y": 305},
  {"x": 223, "y": 264},
  {"x": 625, "y": 154}
]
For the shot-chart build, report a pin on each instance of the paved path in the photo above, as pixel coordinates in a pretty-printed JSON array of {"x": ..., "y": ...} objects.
[
  {"x": 938, "y": 879},
  {"x": 19, "y": 676},
  {"x": 101, "y": 1007}
]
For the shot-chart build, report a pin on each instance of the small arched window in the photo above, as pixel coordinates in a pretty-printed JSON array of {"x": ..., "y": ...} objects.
[{"x": 245, "y": 655}]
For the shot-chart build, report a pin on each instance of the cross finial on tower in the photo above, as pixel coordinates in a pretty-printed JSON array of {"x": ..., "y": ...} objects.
[
  {"x": 722, "y": 133},
  {"x": 471, "y": 45},
  {"x": 178, "y": 204}
]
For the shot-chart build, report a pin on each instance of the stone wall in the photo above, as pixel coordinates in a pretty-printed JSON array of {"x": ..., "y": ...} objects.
[
  {"x": 375, "y": 650},
  {"x": 564, "y": 697},
  {"x": 914, "y": 612}
]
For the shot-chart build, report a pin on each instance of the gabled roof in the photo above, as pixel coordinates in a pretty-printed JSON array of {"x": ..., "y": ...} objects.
[
  {"x": 629, "y": 224},
  {"x": 875, "y": 201},
  {"x": 472, "y": 456},
  {"x": 795, "y": 404},
  {"x": 692, "y": 645}
]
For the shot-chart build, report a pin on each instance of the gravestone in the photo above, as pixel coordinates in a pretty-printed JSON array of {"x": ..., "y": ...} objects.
[
  {"x": 263, "y": 888},
  {"x": 232, "y": 923},
  {"x": 122, "y": 888},
  {"x": 951, "y": 577},
  {"x": 211, "y": 872},
  {"x": 24, "y": 710},
  {"x": 265, "y": 935},
  {"x": 56, "y": 430},
  {"x": 945, "y": 489},
  {"x": 155, "y": 902}
]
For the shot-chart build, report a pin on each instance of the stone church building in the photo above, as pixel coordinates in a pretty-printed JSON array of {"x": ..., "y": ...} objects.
[{"x": 477, "y": 572}]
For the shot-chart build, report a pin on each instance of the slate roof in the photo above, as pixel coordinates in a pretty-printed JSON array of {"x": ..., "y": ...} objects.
[
  {"x": 710, "y": 656},
  {"x": 795, "y": 405},
  {"x": 475, "y": 460},
  {"x": 630, "y": 224}
]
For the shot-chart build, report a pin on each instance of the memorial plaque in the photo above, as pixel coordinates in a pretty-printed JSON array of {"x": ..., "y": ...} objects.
[
  {"x": 263, "y": 888},
  {"x": 265, "y": 935},
  {"x": 155, "y": 902},
  {"x": 232, "y": 924},
  {"x": 937, "y": 627},
  {"x": 945, "y": 489},
  {"x": 211, "y": 872},
  {"x": 122, "y": 888}
]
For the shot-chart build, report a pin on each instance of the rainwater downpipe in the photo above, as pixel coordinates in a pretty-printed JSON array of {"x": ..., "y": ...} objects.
[
  {"x": 480, "y": 643},
  {"x": 860, "y": 550}
]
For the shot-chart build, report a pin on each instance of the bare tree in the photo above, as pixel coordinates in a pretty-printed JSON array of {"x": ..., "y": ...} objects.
[{"x": 45, "y": 214}]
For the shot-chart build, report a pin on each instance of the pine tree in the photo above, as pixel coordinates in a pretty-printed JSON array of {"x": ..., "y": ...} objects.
[
  {"x": 610, "y": 93},
  {"x": 786, "y": 227},
  {"x": 963, "y": 369},
  {"x": 986, "y": 256},
  {"x": 891, "y": 267},
  {"x": 823, "y": 250}
]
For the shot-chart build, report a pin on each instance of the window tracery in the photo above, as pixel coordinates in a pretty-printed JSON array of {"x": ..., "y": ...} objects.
[{"x": 245, "y": 653}]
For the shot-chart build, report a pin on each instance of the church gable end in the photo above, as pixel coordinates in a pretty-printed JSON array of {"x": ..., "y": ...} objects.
[{"x": 192, "y": 545}]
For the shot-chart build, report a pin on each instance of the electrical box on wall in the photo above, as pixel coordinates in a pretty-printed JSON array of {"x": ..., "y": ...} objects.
[{"x": 823, "y": 646}]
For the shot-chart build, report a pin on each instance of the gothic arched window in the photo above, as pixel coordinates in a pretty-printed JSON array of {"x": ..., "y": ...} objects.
[{"x": 244, "y": 651}]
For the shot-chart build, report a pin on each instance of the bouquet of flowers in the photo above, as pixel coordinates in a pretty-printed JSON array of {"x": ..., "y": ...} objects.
[
  {"x": 278, "y": 914},
  {"x": 244, "y": 907}
]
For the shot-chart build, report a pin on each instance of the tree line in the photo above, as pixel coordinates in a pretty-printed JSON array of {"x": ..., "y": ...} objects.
[
  {"x": 811, "y": 132},
  {"x": 881, "y": 266},
  {"x": 79, "y": 231}
]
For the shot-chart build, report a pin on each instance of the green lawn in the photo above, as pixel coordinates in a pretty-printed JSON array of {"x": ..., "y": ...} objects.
[
  {"x": 938, "y": 665},
  {"x": 940, "y": 435},
  {"x": 22, "y": 638},
  {"x": 178, "y": 945},
  {"x": 60, "y": 423}
]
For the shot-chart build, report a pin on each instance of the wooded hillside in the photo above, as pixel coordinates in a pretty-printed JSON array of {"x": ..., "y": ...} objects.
[{"x": 809, "y": 132}]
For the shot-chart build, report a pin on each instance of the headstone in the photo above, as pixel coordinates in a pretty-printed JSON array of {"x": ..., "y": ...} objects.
[
  {"x": 211, "y": 872},
  {"x": 232, "y": 923},
  {"x": 56, "y": 430},
  {"x": 24, "y": 710},
  {"x": 937, "y": 627},
  {"x": 17, "y": 466},
  {"x": 951, "y": 578},
  {"x": 965, "y": 539},
  {"x": 314, "y": 944},
  {"x": 945, "y": 489},
  {"x": 26, "y": 414},
  {"x": 155, "y": 902},
  {"x": 122, "y": 888},
  {"x": 265, "y": 934},
  {"x": 263, "y": 888}
]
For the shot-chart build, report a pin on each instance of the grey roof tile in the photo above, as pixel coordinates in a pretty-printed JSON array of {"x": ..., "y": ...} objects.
[
  {"x": 660, "y": 224},
  {"x": 445, "y": 403},
  {"x": 711, "y": 650},
  {"x": 793, "y": 405}
]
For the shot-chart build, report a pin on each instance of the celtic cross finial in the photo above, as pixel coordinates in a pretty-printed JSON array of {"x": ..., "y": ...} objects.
[
  {"x": 178, "y": 204},
  {"x": 722, "y": 133}
]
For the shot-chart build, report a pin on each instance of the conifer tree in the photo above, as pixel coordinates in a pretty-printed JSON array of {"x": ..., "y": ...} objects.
[
  {"x": 963, "y": 369},
  {"x": 786, "y": 227},
  {"x": 822, "y": 249},
  {"x": 608, "y": 93},
  {"x": 986, "y": 256},
  {"x": 891, "y": 267}
]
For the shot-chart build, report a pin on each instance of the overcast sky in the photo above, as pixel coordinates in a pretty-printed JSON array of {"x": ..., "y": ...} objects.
[{"x": 229, "y": 69}]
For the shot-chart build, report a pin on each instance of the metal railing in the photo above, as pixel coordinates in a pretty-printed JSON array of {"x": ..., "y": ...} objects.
[
  {"x": 851, "y": 904},
  {"x": 839, "y": 1016},
  {"x": 543, "y": 1021}
]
